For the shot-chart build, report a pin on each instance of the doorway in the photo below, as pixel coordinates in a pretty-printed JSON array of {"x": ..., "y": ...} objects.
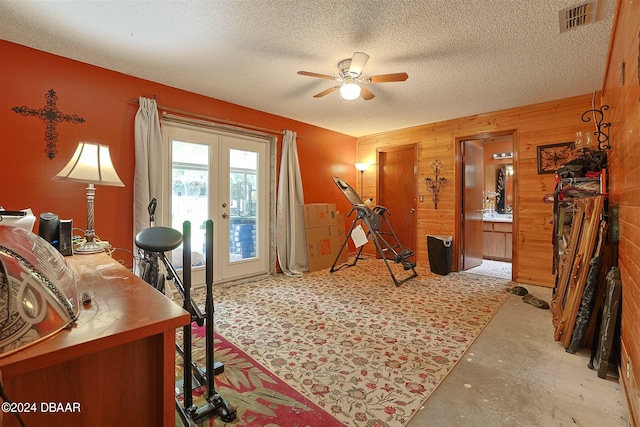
[
  {"x": 487, "y": 209},
  {"x": 224, "y": 176},
  {"x": 397, "y": 171}
]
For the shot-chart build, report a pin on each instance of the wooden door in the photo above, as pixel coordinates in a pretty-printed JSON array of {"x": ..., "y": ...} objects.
[
  {"x": 472, "y": 198},
  {"x": 397, "y": 168}
]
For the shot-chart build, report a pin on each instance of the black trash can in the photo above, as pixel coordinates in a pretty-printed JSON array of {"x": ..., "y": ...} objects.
[{"x": 439, "y": 248}]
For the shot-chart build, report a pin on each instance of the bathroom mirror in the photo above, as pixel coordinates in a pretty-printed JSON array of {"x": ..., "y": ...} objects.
[{"x": 498, "y": 179}]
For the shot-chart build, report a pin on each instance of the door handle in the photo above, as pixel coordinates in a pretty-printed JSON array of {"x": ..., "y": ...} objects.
[
  {"x": 225, "y": 215},
  {"x": 412, "y": 210}
]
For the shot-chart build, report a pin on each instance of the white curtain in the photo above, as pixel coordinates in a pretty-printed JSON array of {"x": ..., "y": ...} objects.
[
  {"x": 147, "y": 182},
  {"x": 291, "y": 241}
]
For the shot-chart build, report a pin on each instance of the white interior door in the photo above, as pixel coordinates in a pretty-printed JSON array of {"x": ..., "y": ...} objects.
[{"x": 223, "y": 177}]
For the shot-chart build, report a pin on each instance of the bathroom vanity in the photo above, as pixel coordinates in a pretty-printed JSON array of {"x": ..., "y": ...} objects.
[{"x": 497, "y": 236}]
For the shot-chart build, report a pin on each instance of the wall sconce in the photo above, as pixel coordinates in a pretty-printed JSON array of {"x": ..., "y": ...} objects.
[
  {"x": 362, "y": 167},
  {"x": 601, "y": 132},
  {"x": 436, "y": 184},
  {"x": 90, "y": 164},
  {"x": 497, "y": 156}
]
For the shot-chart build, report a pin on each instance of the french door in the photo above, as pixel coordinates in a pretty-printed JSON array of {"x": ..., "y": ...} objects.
[{"x": 212, "y": 174}]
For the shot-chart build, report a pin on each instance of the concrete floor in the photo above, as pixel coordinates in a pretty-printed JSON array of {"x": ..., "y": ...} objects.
[{"x": 515, "y": 374}]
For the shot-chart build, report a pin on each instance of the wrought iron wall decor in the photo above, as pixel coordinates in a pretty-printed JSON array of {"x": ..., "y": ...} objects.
[
  {"x": 601, "y": 133},
  {"x": 553, "y": 156},
  {"x": 51, "y": 117},
  {"x": 436, "y": 184}
]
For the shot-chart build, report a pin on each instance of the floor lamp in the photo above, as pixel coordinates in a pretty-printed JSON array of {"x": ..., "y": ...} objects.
[
  {"x": 90, "y": 164},
  {"x": 362, "y": 167}
]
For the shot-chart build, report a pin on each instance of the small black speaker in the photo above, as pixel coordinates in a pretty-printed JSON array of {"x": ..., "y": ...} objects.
[
  {"x": 65, "y": 245},
  {"x": 48, "y": 228}
]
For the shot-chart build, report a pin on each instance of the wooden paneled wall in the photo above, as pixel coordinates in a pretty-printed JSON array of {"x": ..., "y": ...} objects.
[
  {"x": 623, "y": 98},
  {"x": 534, "y": 125}
]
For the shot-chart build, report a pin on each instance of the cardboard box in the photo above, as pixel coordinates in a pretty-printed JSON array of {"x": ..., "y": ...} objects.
[
  {"x": 324, "y": 228},
  {"x": 322, "y": 246},
  {"x": 340, "y": 218},
  {"x": 319, "y": 214}
]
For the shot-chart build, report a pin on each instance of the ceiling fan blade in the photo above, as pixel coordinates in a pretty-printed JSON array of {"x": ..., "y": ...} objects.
[
  {"x": 310, "y": 74},
  {"x": 384, "y": 78},
  {"x": 358, "y": 61},
  {"x": 366, "y": 94},
  {"x": 325, "y": 92}
]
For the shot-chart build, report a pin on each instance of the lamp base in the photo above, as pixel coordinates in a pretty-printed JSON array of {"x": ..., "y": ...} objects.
[{"x": 88, "y": 248}]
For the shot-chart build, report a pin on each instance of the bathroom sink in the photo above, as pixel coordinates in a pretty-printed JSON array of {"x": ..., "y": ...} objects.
[{"x": 497, "y": 217}]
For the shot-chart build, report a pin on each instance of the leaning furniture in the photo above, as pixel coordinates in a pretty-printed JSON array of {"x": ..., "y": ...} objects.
[
  {"x": 164, "y": 239},
  {"x": 379, "y": 231}
]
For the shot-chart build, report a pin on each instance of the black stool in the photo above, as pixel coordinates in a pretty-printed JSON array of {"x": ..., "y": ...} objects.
[
  {"x": 158, "y": 239},
  {"x": 161, "y": 240}
]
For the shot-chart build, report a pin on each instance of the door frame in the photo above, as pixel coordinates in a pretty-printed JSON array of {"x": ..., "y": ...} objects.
[{"x": 459, "y": 189}]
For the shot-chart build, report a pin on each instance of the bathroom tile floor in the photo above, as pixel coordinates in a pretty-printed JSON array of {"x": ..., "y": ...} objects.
[{"x": 501, "y": 270}]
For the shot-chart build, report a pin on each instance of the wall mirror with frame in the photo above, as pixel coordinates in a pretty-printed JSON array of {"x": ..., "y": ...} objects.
[{"x": 498, "y": 180}]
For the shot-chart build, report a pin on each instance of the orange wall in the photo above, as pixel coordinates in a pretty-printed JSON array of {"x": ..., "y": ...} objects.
[{"x": 102, "y": 98}]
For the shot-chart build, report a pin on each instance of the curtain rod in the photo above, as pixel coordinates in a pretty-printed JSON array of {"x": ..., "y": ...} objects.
[{"x": 212, "y": 119}]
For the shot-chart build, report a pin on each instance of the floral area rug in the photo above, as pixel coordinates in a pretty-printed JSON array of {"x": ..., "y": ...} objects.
[
  {"x": 260, "y": 398},
  {"x": 367, "y": 352}
]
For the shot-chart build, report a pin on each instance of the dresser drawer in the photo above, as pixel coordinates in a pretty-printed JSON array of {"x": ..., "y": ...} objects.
[{"x": 503, "y": 227}]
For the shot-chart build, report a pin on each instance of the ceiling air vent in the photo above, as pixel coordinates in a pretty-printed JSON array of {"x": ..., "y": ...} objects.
[{"x": 577, "y": 16}]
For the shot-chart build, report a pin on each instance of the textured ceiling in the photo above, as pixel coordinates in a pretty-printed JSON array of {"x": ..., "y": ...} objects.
[{"x": 463, "y": 57}]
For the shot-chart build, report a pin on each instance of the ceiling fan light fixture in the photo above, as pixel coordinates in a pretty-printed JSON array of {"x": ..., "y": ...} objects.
[
  {"x": 350, "y": 76},
  {"x": 349, "y": 91}
]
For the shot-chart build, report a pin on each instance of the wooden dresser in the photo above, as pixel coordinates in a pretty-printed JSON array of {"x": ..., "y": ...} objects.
[{"x": 115, "y": 366}]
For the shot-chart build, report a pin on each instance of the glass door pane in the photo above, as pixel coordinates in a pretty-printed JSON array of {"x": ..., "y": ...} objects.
[
  {"x": 190, "y": 194},
  {"x": 243, "y": 185}
]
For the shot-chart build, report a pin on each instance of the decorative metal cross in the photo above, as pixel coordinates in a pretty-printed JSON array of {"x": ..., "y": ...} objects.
[
  {"x": 51, "y": 117},
  {"x": 435, "y": 185}
]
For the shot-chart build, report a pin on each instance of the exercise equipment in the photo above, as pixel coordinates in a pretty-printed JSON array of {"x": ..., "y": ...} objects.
[
  {"x": 148, "y": 264},
  {"x": 379, "y": 231},
  {"x": 160, "y": 240}
]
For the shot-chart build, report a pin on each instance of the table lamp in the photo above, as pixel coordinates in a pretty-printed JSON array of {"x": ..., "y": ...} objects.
[{"x": 90, "y": 164}]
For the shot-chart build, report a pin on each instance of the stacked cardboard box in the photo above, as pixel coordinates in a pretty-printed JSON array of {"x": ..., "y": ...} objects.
[{"x": 324, "y": 229}]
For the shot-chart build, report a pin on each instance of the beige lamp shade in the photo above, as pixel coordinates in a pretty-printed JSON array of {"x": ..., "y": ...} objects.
[{"x": 91, "y": 164}]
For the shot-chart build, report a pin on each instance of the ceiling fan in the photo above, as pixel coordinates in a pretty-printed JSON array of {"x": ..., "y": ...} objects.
[{"x": 351, "y": 79}]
